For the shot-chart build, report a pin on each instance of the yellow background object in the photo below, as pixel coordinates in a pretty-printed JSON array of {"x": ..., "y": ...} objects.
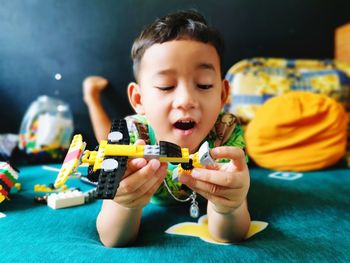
[
  {"x": 201, "y": 230},
  {"x": 299, "y": 131}
]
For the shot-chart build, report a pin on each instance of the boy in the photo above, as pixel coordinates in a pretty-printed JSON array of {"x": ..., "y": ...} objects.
[{"x": 178, "y": 98}]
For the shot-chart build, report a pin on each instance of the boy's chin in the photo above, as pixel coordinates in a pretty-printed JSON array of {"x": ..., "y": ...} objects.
[{"x": 184, "y": 135}]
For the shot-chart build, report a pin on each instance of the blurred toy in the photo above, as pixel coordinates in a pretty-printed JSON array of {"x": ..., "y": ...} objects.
[
  {"x": 46, "y": 128},
  {"x": 8, "y": 143},
  {"x": 8, "y": 179},
  {"x": 68, "y": 199},
  {"x": 49, "y": 189}
]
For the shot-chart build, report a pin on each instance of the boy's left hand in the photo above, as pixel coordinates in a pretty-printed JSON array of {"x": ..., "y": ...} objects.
[{"x": 226, "y": 184}]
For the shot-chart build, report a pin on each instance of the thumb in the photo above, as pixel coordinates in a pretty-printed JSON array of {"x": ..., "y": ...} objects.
[
  {"x": 140, "y": 142},
  {"x": 235, "y": 154}
]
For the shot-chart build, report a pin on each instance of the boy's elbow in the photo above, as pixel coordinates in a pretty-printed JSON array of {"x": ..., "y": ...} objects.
[
  {"x": 109, "y": 244},
  {"x": 233, "y": 238},
  {"x": 116, "y": 240}
]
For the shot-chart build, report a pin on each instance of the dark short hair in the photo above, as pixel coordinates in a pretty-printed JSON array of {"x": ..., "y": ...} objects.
[{"x": 175, "y": 26}]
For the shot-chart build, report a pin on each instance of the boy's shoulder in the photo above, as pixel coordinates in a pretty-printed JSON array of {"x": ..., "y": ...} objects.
[
  {"x": 227, "y": 130},
  {"x": 138, "y": 128}
]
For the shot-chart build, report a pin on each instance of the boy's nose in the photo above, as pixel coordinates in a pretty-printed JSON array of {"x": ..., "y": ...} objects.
[{"x": 185, "y": 98}]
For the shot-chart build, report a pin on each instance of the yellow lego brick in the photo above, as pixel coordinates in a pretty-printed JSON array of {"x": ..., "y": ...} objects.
[
  {"x": 2, "y": 197},
  {"x": 18, "y": 186},
  {"x": 46, "y": 189},
  {"x": 72, "y": 160},
  {"x": 195, "y": 161},
  {"x": 124, "y": 150},
  {"x": 89, "y": 157},
  {"x": 184, "y": 159},
  {"x": 100, "y": 155}
]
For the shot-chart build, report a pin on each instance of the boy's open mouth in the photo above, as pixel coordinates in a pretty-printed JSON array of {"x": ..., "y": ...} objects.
[{"x": 184, "y": 125}]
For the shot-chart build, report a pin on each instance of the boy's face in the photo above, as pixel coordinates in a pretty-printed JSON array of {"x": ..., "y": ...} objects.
[{"x": 180, "y": 91}]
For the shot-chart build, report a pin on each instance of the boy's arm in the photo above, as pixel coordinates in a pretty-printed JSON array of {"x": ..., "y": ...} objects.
[
  {"x": 225, "y": 186},
  {"x": 119, "y": 219},
  {"x": 228, "y": 227},
  {"x": 92, "y": 88},
  {"x": 117, "y": 225}
]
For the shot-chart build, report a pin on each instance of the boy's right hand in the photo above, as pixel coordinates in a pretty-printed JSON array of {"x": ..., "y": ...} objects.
[
  {"x": 141, "y": 180},
  {"x": 92, "y": 87}
]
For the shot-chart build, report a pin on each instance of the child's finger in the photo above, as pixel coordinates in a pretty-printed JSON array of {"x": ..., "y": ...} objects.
[
  {"x": 134, "y": 165},
  {"x": 229, "y": 152},
  {"x": 218, "y": 200},
  {"x": 229, "y": 179},
  {"x": 137, "y": 179},
  {"x": 146, "y": 190},
  {"x": 145, "y": 198},
  {"x": 140, "y": 142}
]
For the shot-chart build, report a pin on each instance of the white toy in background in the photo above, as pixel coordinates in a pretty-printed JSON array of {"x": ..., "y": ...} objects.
[
  {"x": 70, "y": 198},
  {"x": 65, "y": 199},
  {"x": 47, "y": 125}
]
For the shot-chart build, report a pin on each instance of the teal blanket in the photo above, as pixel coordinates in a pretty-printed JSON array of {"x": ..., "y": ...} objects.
[{"x": 309, "y": 221}]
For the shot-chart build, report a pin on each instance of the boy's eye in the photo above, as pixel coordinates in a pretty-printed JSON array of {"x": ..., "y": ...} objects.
[
  {"x": 204, "y": 86},
  {"x": 165, "y": 88}
]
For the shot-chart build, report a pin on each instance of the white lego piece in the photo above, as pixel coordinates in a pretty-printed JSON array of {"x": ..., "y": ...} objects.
[
  {"x": 115, "y": 137},
  {"x": 109, "y": 164},
  {"x": 204, "y": 155},
  {"x": 65, "y": 199},
  {"x": 151, "y": 151}
]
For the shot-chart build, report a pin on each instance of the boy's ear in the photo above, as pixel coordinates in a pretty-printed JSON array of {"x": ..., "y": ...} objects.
[
  {"x": 225, "y": 91},
  {"x": 134, "y": 94}
]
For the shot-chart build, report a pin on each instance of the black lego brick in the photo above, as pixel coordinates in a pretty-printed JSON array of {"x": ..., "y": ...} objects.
[
  {"x": 169, "y": 149},
  {"x": 108, "y": 182},
  {"x": 121, "y": 126}
]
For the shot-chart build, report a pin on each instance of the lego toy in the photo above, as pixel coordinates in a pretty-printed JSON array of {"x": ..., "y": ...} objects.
[
  {"x": 71, "y": 161},
  {"x": 66, "y": 199},
  {"x": 8, "y": 179},
  {"x": 107, "y": 164},
  {"x": 49, "y": 189}
]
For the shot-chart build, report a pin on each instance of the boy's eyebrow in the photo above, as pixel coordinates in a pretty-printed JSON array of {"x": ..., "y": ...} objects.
[
  {"x": 200, "y": 66},
  {"x": 165, "y": 72},
  {"x": 206, "y": 66}
]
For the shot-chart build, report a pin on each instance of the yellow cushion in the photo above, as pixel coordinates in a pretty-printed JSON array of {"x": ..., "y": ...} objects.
[{"x": 299, "y": 131}]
